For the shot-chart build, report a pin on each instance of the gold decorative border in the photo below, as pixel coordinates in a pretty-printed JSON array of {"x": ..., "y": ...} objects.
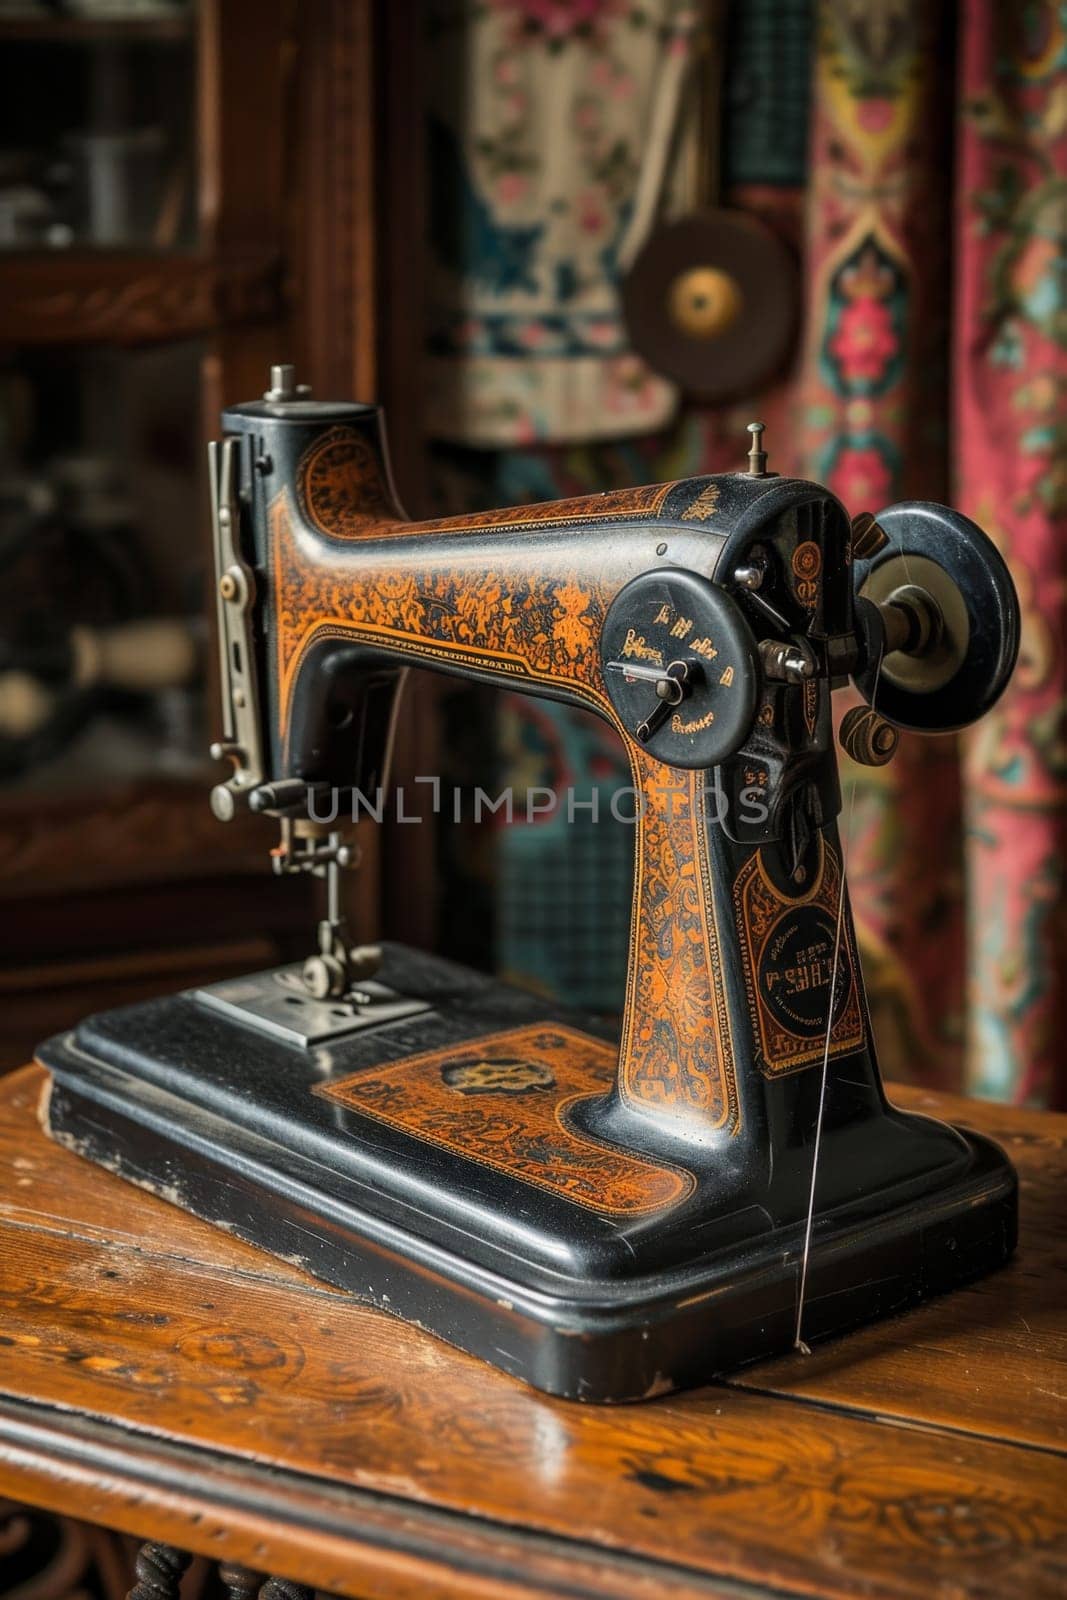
[
  {"x": 527, "y": 1135},
  {"x": 759, "y": 907}
]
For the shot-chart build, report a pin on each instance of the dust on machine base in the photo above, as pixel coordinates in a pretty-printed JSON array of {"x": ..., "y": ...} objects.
[{"x": 608, "y": 1215}]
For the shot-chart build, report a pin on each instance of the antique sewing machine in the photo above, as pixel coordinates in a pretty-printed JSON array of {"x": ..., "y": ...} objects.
[{"x": 606, "y": 1216}]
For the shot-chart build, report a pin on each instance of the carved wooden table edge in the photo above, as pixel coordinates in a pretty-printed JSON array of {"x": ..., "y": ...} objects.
[
  {"x": 262, "y": 1517},
  {"x": 339, "y": 1539}
]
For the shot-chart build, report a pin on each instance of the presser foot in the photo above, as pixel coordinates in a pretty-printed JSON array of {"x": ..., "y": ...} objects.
[{"x": 462, "y": 1166}]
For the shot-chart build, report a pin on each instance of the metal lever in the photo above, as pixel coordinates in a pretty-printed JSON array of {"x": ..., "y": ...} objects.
[
  {"x": 672, "y": 686},
  {"x": 290, "y": 797},
  {"x": 788, "y": 660},
  {"x": 235, "y": 595}
]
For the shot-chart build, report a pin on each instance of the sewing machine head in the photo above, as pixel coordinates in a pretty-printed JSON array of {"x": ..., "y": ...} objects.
[
  {"x": 604, "y": 1220},
  {"x": 707, "y": 620}
]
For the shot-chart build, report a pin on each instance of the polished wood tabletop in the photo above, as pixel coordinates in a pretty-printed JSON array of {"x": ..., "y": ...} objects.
[{"x": 161, "y": 1378}]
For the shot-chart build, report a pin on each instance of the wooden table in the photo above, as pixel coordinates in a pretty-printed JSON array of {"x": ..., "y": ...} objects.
[{"x": 163, "y": 1379}]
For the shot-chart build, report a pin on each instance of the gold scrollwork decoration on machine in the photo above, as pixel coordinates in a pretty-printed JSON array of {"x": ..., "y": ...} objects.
[
  {"x": 788, "y": 946},
  {"x": 505, "y": 1101},
  {"x": 546, "y": 627}
]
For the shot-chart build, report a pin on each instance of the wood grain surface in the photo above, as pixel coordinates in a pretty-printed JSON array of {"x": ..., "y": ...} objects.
[{"x": 165, "y": 1379}]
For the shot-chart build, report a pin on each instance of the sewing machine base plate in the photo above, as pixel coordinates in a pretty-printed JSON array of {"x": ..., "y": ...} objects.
[{"x": 446, "y": 1167}]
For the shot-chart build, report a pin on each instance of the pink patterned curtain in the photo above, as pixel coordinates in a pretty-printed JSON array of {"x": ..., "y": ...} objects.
[
  {"x": 872, "y": 420},
  {"x": 933, "y": 365},
  {"x": 957, "y": 848},
  {"x": 1010, "y": 459}
]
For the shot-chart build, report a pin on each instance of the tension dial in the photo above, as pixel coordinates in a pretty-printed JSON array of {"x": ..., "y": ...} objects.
[{"x": 680, "y": 667}]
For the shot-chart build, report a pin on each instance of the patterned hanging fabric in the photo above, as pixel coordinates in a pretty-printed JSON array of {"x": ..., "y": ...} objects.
[
  {"x": 873, "y": 405},
  {"x": 557, "y": 128},
  {"x": 962, "y": 931},
  {"x": 1011, "y": 470}
]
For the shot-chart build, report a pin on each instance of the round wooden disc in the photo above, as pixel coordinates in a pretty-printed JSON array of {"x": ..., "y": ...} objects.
[{"x": 711, "y": 303}]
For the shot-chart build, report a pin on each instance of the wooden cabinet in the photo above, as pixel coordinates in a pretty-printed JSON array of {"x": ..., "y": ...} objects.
[{"x": 282, "y": 126}]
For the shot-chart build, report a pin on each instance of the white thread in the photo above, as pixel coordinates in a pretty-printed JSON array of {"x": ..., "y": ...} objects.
[{"x": 798, "y": 1343}]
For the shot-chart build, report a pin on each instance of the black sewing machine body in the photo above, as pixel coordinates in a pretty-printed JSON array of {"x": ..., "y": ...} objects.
[{"x": 607, "y": 1214}]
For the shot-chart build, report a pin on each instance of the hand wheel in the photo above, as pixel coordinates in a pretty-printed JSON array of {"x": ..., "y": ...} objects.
[{"x": 960, "y": 672}]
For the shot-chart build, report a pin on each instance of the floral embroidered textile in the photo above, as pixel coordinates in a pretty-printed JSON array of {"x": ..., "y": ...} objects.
[{"x": 539, "y": 116}]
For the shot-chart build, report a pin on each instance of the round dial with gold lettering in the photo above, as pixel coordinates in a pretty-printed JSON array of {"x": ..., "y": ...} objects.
[{"x": 680, "y": 667}]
